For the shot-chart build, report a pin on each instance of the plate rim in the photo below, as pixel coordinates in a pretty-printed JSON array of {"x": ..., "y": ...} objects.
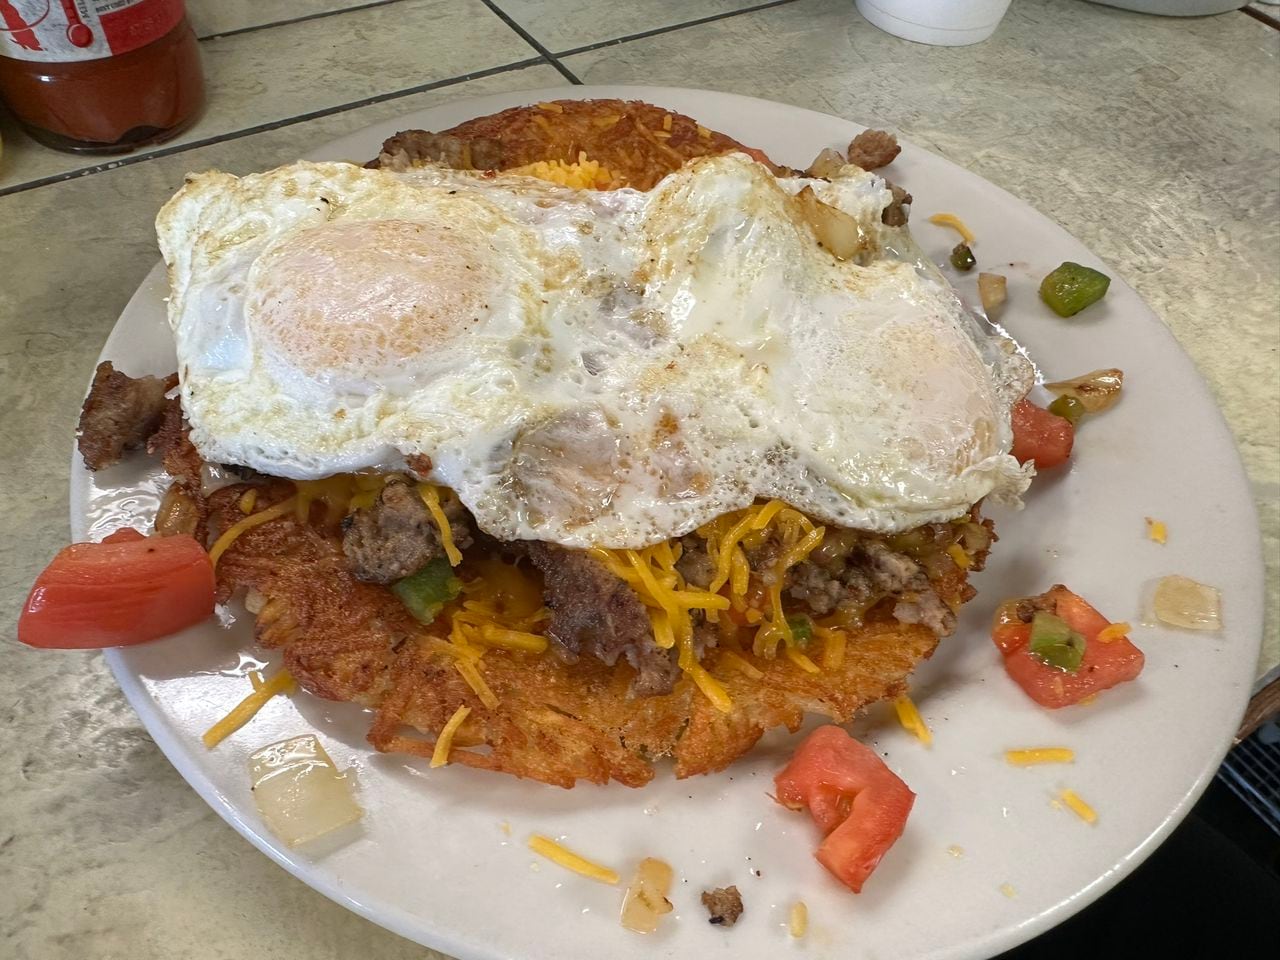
[{"x": 412, "y": 927}]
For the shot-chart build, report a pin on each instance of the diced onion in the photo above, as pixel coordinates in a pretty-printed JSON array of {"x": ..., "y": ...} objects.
[
  {"x": 1182, "y": 602},
  {"x": 836, "y": 231},
  {"x": 1097, "y": 391},
  {"x": 178, "y": 512},
  {"x": 993, "y": 290},
  {"x": 299, "y": 792},
  {"x": 798, "y": 919},
  {"x": 828, "y": 163},
  {"x": 646, "y": 897}
]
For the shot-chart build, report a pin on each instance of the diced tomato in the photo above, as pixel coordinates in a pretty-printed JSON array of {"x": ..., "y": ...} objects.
[
  {"x": 124, "y": 535},
  {"x": 856, "y": 801},
  {"x": 1105, "y": 662},
  {"x": 127, "y": 589},
  {"x": 1040, "y": 435}
]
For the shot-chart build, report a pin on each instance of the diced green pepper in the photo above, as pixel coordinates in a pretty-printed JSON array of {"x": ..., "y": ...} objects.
[
  {"x": 1072, "y": 287},
  {"x": 962, "y": 258},
  {"x": 424, "y": 593},
  {"x": 1068, "y": 408},
  {"x": 801, "y": 628},
  {"x": 1054, "y": 642}
]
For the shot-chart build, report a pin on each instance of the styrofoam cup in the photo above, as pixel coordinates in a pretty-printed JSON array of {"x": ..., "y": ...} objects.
[{"x": 943, "y": 23}]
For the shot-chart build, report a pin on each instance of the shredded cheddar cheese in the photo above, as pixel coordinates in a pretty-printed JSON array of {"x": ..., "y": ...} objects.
[
  {"x": 513, "y": 639},
  {"x": 1037, "y": 755},
  {"x": 652, "y": 573},
  {"x": 1113, "y": 632},
  {"x": 742, "y": 665},
  {"x": 245, "y": 710},
  {"x": 801, "y": 661},
  {"x": 962, "y": 559},
  {"x": 1078, "y": 806},
  {"x": 955, "y": 223},
  {"x": 1157, "y": 531},
  {"x": 546, "y": 847},
  {"x": 582, "y": 174},
  {"x": 833, "y": 651},
  {"x": 911, "y": 720},
  {"x": 440, "y": 754},
  {"x": 501, "y": 608},
  {"x": 248, "y": 523},
  {"x": 431, "y": 497},
  {"x": 475, "y": 681},
  {"x": 247, "y": 500}
]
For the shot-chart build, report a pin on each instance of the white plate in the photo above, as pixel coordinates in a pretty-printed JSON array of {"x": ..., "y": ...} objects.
[{"x": 433, "y": 862}]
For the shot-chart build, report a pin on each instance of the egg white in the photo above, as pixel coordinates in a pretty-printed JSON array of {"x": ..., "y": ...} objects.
[{"x": 585, "y": 368}]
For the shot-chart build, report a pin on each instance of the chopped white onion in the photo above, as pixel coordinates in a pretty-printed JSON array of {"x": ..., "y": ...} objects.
[
  {"x": 992, "y": 290},
  {"x": 299, "y": 792},
  {"x": 1182, "y": 602},
  {"x": 828, "y": 163},
  {"x": 1097, "y": 391},
  {"x": 838, "y": 232},
  {"x": 646, "y": 897}
]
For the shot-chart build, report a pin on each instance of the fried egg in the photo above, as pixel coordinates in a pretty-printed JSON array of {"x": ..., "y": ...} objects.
[{"x": 586, "y": 368}]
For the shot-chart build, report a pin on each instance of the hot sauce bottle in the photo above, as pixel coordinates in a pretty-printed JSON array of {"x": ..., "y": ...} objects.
[{"x": 100, "y": 76}]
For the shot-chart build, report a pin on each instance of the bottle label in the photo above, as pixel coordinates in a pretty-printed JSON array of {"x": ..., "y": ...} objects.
[{"x": 60, "y": 31}]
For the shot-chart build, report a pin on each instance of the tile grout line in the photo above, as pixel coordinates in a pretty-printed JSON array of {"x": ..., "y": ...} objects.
[
  {"x": 1261, "y": 16},
  {"x": 545, "y": 57},
  {"x": 129, "y": 161},
  {"x": 321, "y": 15},
  {"x": 530, "y": 39},
  {"x": 658, "y": 31}
]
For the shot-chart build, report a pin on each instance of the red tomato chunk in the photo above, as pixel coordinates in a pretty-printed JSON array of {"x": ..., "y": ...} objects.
[
  {"x": 859, "y": 804},
  {"x": 127, "y": 589},
  {"x": 1040, "y": 435},
  {"x": 1105, "y": 662}
]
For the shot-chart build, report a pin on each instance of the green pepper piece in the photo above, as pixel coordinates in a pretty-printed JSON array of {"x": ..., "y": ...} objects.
[
  {"x": 801, "y": 628},
  {"x": 962, "y": 258},
  {"x": 1068, "y": 408},
  {"x": 1054, "y": 642},
  {"x": 1072, "y": 287},
  {"x": 424, "y": 593}
]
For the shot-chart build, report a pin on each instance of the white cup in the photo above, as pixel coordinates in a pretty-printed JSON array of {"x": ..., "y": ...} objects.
[{"x": 942, "y": 23}]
